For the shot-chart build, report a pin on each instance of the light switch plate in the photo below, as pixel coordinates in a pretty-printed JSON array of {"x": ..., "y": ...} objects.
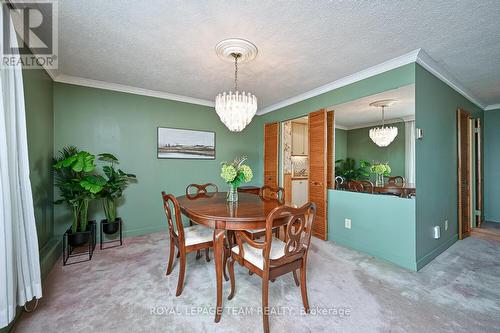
[{"x": 347, "y": 223}]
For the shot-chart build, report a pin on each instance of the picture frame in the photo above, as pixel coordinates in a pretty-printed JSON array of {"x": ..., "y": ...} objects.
[{"x": 182, "y": 143}]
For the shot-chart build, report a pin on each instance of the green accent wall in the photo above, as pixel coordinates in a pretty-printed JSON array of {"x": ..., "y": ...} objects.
[
  {"x": 361, "y": 147},
  {"x": 392, "y": 79},
  {"x": 340, "y": 140},
  {"x": 436, "y": 162},
  {"x": 491, "y": 128},
  {"x": 381, "y": 225},
  {"x": 126, "y": 125}
]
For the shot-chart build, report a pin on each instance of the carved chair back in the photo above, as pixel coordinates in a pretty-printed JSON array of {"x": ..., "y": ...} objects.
[
  {"x": 194, "y": 189},
  {"x": 276, "y": 193},
  {"x": 174, "y": 217},
  {"x": 297, "y": 223},
  {"x": 396, "y": 181}
]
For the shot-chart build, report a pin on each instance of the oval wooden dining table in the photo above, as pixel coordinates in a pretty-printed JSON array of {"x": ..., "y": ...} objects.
[{"x": 214, "y": 211}]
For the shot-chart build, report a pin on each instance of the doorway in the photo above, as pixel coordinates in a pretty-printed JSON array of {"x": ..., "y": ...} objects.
[{"x": 469, "y": 175}]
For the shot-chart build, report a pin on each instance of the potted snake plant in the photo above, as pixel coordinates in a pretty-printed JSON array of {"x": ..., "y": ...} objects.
[
  {"x": 78, "y": 185},
  {"x": 116, "y": 182}
]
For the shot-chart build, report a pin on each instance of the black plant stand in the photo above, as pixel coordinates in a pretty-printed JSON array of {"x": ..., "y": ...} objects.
[
  {"x": 68, "y": 249},
  {"x": 120, "y": 240}
]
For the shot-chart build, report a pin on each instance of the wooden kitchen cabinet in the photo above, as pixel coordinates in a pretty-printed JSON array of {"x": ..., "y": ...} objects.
[{"x": 300, "y": 139}]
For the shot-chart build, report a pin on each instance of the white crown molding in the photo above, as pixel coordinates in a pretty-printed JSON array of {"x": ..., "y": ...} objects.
[
  {"x": 364, "y": 74},
  {"x": 129, "y": 89},
  {"x": 342, "y": 127},
  {"x": 377, "y": 123},
  {"x": 492, "y": 107},
  {"x": 424, "y": 60}
]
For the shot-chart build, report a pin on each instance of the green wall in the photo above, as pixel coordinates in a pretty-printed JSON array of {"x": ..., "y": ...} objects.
[
  {"x": 491, "y": 165},
  {"x": 125, "y": 125},
  {"x": 436, "y": 162},
  {"x": 38, "y": 94},
  {"x": 381, "y": 225},
  {"x": 393, "y": 79},
  {"x": 361, "y": 147},
  {"x": 340, "y": 150}
]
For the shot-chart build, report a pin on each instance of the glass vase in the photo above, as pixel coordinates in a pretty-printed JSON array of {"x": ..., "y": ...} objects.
[
  {"x": 379, "y": 180},
  {"x": 232, "y": 194}
]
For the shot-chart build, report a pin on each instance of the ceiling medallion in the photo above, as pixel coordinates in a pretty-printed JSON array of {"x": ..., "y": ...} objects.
[
  {"x": 383, "y": 136},
  {"x": 234, "y": 108}
]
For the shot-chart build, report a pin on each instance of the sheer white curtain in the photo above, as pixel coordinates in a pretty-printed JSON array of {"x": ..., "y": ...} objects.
[
  {"x": 410, "y": 151},
  {"x": 19, "y": 259}
]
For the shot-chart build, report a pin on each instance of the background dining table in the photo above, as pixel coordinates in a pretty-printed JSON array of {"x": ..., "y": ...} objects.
[{"x": 214, "y": 211}]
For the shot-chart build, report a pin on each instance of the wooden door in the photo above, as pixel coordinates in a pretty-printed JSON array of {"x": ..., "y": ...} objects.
[
  {"x": 479, "y": 173},
  {"x": 318, "y": 169},
  {"x": 271, "y": 147},
  {"x": 464, "y": 173},
  {"x": 330, "y": 150}
]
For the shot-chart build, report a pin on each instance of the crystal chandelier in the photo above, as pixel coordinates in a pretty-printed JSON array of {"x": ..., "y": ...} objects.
[
  {"x": 234, "y": 108},
  {"x": 383, "y": 136}
]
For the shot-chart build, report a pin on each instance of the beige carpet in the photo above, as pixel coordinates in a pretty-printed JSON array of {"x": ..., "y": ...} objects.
[{"x": 125, "y": 290}]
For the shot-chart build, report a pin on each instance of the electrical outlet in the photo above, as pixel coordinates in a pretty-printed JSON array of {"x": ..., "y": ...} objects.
[
  {"x": 445, "y": 225},
  {"x": 347, "y": 223}
]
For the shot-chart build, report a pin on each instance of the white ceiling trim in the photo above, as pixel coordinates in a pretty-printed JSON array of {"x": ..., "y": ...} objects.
[
  {"x": 432, "y": 66},
  {"x": 377, "y": 123},
  {"x": 129, "y": 89},
  {"x": 364, "y": 74},
  {"x": 492, "y": 107},
  {"x": 419, "y": 56}
]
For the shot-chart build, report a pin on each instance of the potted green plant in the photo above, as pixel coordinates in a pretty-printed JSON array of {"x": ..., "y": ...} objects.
[
  {"x": 116, "y": 182},
  {"x": 234, "y": 174},
  {"x": 348, "y": 170},
  {"x": 77, "y": 187},
  {"x": 380, "y": 170}
]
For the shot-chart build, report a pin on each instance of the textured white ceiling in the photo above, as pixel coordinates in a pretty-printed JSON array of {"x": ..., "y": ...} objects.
[
  {"x": 169, "y": 45},
  {"x": 359, "y": 113}
]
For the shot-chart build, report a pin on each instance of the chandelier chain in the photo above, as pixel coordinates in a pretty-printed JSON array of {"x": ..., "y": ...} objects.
[
  {"x": 236, "y": 56},
  {"x": 383, "y": 115}
]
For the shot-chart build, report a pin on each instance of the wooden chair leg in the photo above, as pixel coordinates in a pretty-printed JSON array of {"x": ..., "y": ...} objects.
[
  {"x": 230, "y": 268},
  {"x": 296, "y": 278},
  {"x": 207, "y": 254},
  {"x": 171, "y": 257},
  {"x": 182, "y": 273},
  {"x": 198, "y": 254},
  {"x": 303, "y": 287},
  {"x": 265, "y": 302},
  {"x": 224, "y": 263}
]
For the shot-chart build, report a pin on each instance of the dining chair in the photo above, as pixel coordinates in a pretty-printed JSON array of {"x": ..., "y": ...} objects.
[
  {"x": 272, "y": 257},
  {"x": 396, "y": 181},
  {"x": 364, "y": 186},
  {"x": 201, "y": 188},
  {"x": 268, "y": 193},
  {"x": 367, "y": 186},
  {"x": 195, "y": 190},
  {"x": 186, "y": 239}
]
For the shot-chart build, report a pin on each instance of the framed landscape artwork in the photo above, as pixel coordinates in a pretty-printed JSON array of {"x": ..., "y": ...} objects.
[{"x": 185, "y": 144}]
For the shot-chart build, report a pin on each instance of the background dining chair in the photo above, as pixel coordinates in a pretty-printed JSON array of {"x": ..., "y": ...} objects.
[
  {"x": 189, "y": 239},
  {"x": 194, "y": 190},
  {"x": 364, "y": 186},
  {"x": 273, "y": 257},
  {"x": 268, "y": 193},
  {"x": 396, "y": 181},
  {"x": 201, "y": 188}
]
